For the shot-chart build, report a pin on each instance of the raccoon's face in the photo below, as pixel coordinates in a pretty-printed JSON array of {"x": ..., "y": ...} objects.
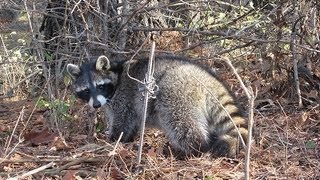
[{"x": 94, "y": 82}]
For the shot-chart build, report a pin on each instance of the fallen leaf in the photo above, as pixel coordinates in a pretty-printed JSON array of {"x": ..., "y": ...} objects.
[
  {"x": 59, "y": 144},
  {"x": 116, "y": 173},
  {"x": 152, "y": 152},
  {"x": 124, "y": 153},
  {"x": 102, "y": 173},
  {"x": 39, "y": 120},
  {"x": 70, "y": 175},
  {"x": 42, "y": 137},
  {"x": 79, "y": 137}
]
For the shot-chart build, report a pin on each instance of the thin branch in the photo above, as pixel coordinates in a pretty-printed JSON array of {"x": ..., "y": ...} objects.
[
  {"x": 4, "y": 46},
  {"x": 57, "y": 159},
  {"x": 7, "y": 154},
  {"x": 236, "y": 47},
  {"x": 39, "y": 169},
  {"x": 294, "y": 55},
  {"x": 249, "y": 93},
  {"x": 149, "y": 86},
  {"x": 10, "y": 91},
  {"x": 229, "y": 35},
  {"x": 113, "y": 152},
  {"x": 123, "y": 30}
]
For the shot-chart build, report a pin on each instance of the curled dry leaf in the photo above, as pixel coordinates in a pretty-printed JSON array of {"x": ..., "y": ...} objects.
[
  {"x": 152, "y": 152},
  {"x": 41, "y": 137},
  {"x": 59, "y": 144},
  {"x": 115, "y": 173},
  {"x": 70, "y": 175},
  {"x": 39, "y": 120}
]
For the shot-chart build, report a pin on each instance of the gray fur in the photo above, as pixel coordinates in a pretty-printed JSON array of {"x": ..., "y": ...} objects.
[{"x": 185, "y": 107}]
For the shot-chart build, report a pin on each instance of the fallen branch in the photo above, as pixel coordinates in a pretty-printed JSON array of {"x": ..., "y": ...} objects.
[
  {"x": 37, "y": 160},
  {"x": 39, "y": 169},
  {"x": 79, "y": 172},
  {"x": 66, "y": 166}
]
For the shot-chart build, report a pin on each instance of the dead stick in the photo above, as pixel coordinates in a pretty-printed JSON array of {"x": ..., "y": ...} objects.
[
  {"x": 148, "y": 89},
  {"x": 41, "y": 168},
  {"x": 79, "y": 172},
  {"x": 7, "y": 154},
  {"x": 66, "y": 166},
  {"x": 37, "y": 160},
  {"x": 20, "y": 82},
  {"x": 113, "y": 152},
  {"x": 294, "y": 54},
  {"x": 251, "y": 97}
]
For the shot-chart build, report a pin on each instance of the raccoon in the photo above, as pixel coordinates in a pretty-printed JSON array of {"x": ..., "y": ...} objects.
[{"x": 191, "y": 105}]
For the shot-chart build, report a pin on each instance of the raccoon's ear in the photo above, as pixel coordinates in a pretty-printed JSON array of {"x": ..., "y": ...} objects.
[
  {"x": 103, "y": 64},
  {"x": 73, "y": 70}
]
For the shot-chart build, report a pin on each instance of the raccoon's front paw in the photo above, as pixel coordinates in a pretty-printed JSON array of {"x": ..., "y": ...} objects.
[
  {"x": 124, "y": 137},
  {"x": 107, "y": 132},
  {"x": 114, "y": 137}
]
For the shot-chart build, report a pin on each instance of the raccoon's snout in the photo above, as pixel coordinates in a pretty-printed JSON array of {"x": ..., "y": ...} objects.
[
  {"x": 97, "y": 104},
  {"x": 98, "y": 101}
]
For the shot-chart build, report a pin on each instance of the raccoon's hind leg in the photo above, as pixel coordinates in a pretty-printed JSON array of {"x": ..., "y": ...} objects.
[
  {"x": 184, "y": 131},
  {"x": 122, "y": 120}
]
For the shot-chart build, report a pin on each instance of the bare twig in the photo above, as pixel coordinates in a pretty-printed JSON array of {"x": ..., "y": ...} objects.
[
  {"x": 236, "y": 47},
  {"x": 131, "y": 60},
  {"x": 122, "y": 32},
  {"x": 72, "y": 163},
  {"x": 294, "y": 54},
  {"x": 13, "y": 131},
  {"x": 113, "y": 152},
  {"x": 226, "y": 35},
  {"x": 250, "y": 127},
  {"x": 4, "y": 46},
  {"x": 56, "y": 159},
  {"x": 125, "y": 20},
  {"x": 250, "y": 94},
  {"x": 39, "y": 169},
  {"x": 21, "y": 81},
  {"x": 147, "y": 92},
  {"x": 285, "y": 145}
]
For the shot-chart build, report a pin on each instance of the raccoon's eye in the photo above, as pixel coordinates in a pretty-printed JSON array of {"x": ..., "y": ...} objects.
[
  {"x": 86, "y": 91},
  {"x": 101, "y": 86}
]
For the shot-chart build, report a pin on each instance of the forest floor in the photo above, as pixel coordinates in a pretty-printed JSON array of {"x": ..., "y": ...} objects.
[{"x": 287, "y": 146}]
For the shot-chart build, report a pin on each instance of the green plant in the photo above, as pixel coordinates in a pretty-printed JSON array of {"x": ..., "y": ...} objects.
[{"x": 60, "y": 106}]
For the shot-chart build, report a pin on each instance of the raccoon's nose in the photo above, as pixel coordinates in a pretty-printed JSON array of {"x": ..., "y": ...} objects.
[{"x": 97, "y": 104}]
